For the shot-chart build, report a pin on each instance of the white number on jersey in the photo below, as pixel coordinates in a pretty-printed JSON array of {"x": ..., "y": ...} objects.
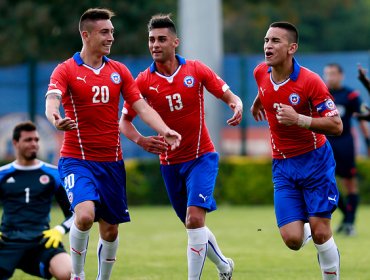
[
  {"x": 69, "y": 181},
  {"x": 174, "y": 101},
  {"x": 100, "y": 94},
  {"x": 27, "y": 191}
]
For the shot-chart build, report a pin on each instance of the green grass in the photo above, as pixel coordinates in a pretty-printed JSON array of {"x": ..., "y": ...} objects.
[{"x": 153, "y": 247}]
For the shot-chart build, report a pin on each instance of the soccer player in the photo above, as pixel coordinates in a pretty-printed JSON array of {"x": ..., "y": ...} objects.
[
  {"x": 89, "y": 86},
  {"x": 348, "y": 102},
  {"x": 27, "y": 188},
  {"x": 299, "y": 110},
  {"x": 174, "y": 86}
]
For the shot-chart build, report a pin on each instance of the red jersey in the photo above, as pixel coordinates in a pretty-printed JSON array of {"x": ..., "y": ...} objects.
[
  {"x": 179, "y": 100},
  {"x": 307, "y": 94},
  {"x": 91, "y": 97}
]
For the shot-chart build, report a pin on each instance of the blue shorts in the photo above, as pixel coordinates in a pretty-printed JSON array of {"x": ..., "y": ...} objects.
[
  {"x": 192, "y": 183},
  {"x": 101, "y": 182},
  {"x": 305, "y": 186}
]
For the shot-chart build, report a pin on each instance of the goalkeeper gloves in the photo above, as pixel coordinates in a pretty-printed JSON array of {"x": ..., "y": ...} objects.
[{"x": 53, "y": 236}]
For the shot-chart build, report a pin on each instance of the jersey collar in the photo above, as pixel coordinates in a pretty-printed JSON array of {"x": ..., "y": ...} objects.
[
  {"x": 296, "y": 69},
  {"x": 79, "y": 61},
  {"x": 180, "y": 59}
]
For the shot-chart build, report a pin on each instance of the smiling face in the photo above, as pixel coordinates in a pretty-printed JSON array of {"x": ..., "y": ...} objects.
[
  {"x": 278, "y": 47},
  {"x": 98, "y": 36},
  {"x": 162, "y": 44}
]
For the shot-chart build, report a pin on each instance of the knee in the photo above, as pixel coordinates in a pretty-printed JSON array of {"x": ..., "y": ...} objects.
[
  {"x": 194, "y": 221},
  {"x": 84, "y": 220},
  {"x": 292, "y": 241},
  {"x": 320, "y": 235},
  {"x": 110, "y": 233}
]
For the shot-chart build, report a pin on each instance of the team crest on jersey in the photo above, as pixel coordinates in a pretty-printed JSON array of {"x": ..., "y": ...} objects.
[
  {"x": 44, "y": 179},
  {"x": 330, "y": 104},
  {"x": 115, "y": 77},
  {"x": 189, "y": 81},
  {"x": 294, "y": 99},
  {"x": 70, "y": 197}
]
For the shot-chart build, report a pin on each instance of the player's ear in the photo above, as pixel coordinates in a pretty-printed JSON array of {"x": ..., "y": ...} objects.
[
  {"x": 177, "y": 42},
  {"x": 293, "y": 47},
  {"x": 84, "y": 34}
]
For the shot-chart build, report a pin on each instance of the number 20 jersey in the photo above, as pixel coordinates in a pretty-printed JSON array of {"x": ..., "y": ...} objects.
[
  {"x": 91, "y": 97},
  {"x": 179, "y": 100}
]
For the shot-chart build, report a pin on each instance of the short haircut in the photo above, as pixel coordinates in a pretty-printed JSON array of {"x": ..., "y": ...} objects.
[
  {"x": 23, "y": 126},
  {"x": 94, "y": 14},
  {"x": 162, "y": 21},
  {"x": 292, "y": 30},
  {"x": 335, "y": 65}
]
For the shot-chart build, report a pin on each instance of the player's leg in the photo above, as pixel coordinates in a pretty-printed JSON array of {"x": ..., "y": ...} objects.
[
  {"x": 110, "y": 211},
  {"x": 352, "y": 201},
  {"x": 10, "y": 256},
  {"x": 60, "y": 266},
  {"x": 200, "y": 182},
  {"x": 80, "y": 185},
  {"x": 107, "y": 249},
  {"x": 290, "y": 209},
  {"x": 328, "y": 254},
  {"x": 321, "y": 197}
]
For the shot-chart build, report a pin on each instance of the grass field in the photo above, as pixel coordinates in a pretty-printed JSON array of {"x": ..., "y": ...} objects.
[{"x": 153, "y": 247}]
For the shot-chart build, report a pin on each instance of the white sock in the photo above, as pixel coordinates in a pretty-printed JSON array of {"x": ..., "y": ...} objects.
[
  {"x": 214, "y": 253},
  {"x": 106, "y": 257},
  {"x": 197, "y": 251},
  {"x": 306, "y": 234},
  {"x": 329, "y": 259},
  {"x": 78, "y": 241}
]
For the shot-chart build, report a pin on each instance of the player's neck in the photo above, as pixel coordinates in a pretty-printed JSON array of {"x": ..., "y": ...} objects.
[
  {"x": 281, "y": 73},
  {"x": 93, "y": 60},
  {"x": 26, "y": 162},
  {"x": 168, "y": 67}
]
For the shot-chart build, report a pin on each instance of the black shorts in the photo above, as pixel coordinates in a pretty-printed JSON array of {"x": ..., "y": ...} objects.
[
  {"x": 32, "y": 258},
  {"x": 344, "y": 155}
]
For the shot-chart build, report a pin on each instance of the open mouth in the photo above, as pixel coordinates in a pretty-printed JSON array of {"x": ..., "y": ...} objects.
[{"x": 268, "y": 54}]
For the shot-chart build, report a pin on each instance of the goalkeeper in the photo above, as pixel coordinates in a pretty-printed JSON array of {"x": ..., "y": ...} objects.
[{"x": 27, "y": 188}]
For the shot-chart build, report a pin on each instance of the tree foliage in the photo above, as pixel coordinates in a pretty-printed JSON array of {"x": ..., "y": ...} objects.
[{"x": 48, "y": 30}]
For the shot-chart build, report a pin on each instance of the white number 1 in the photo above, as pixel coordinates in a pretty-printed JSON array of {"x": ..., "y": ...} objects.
[{"x": 27, "y": 191}]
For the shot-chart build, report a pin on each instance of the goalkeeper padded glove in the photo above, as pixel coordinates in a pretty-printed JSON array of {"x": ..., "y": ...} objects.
[{"x": 54, "y": 236}]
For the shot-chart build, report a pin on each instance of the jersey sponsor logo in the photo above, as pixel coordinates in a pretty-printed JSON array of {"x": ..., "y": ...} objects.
[
  {"x": 189, "y": 81},
  {"x": 294, "y": 98},
  {"x": 44, "y": 179},
  {"x": 115, "y": 77},
  {"x": 332, "y": 198},
  {"x": 196, "y": 251},
  {"x": 10, "y": 180},
  {"x": 81, "y": 79},
  {"x": 154, "y": 88},
  {"x": 332, "y": 113}
]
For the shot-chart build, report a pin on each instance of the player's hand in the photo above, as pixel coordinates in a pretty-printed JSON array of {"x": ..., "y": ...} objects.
[
  {"x": 153, "y": 144},
  {"x": 286, "y": 115},
  {"x": 172, "y": 138},
  {"x": 361, "y": 72},
  {"x": 258, "y": 112},
  {"x": 64, "y": 123},
  {"x": 238, "y": 114},
  {"x": 53, "y": 236},
  {"x": 363, "y": 116}
]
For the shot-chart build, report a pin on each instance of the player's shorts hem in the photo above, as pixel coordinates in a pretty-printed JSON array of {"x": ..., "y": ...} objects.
[
  {"x": 291, "y": 220},
  {"x": 209, "y": 208}
]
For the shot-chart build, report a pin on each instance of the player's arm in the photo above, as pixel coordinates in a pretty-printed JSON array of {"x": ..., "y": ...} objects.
[
  {"x": 257, "y": 110},
  {"x": 329, "y": 125},
  {"x": 362, "y": 77},
  {"x": 52, "y": 113},
  {"x": 152, "y": 118},
  {"x": 235, "y": 104},
  {"x": 54, "y": 235},
  {"x": 152, "y": 144}
]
